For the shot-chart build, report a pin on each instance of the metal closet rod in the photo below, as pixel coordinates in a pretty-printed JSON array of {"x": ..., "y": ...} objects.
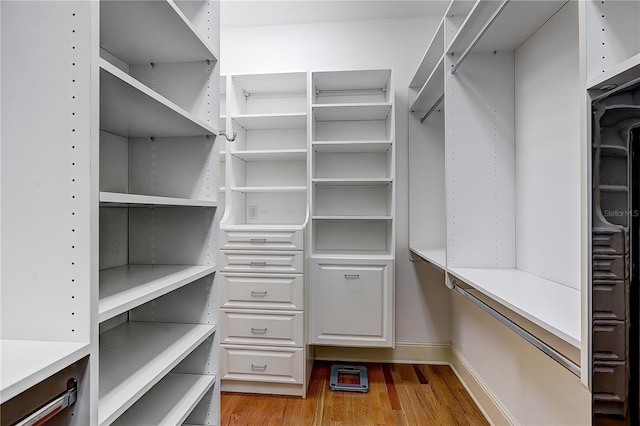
[
  {"x": 481, "y": 34},
  {"x": 433, "y": 108},
  {"x": 53, "y": 407},
  {"x": 548, "y": 350}
]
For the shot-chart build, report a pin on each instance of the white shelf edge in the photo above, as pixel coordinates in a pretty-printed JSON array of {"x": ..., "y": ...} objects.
[
  {"x": 341, "y": 181},
  {"x": 144, "y": 285},
  {"x": 351, "y": 105},
  {"x": 354, "y": 217},
  {"x": 271, "y": 154},
  {"x": 25, "y": 363},
  {"x": 433, "y": 88},
  {"x": 269, "y": 188},
  {"x": 551, "y": 314},
  {"x": 121, "y": 198},
  {"x": 619, "y": 74},
  {"x": 130, "y": 338},
  {"x": 150, "y": 93},
  {"x": 263, "y": 227},
  {"x": 437, "y": 256},
  {"x": 170, "y": 401},
  {"x": 351, "y": 254}
]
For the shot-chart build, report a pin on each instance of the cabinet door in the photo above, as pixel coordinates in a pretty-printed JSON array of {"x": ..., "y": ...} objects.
[{"x": 352, "y": 303}]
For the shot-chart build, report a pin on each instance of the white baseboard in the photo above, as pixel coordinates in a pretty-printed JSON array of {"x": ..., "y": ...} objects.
[
  {"x": 427, "y": 353},
  {"x": 484, "y": 398},
  {"x": 403, "y": 353}
]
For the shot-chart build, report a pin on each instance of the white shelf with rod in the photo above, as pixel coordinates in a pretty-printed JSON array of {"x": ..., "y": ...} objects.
[
  {"x": 151, "y": 200},
  {"x": 436, "y": 256}
]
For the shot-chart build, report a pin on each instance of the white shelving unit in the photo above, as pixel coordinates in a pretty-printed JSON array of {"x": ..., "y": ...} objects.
[
  {"x": 352, "y": 203},
  {"x": 480, "y": 163},
  {"x": 129, "y": 259},
  {"x": 262, "y": 299}
]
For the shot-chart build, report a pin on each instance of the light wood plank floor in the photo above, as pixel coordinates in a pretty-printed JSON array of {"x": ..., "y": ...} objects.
[{"x": 399, "y": 394}]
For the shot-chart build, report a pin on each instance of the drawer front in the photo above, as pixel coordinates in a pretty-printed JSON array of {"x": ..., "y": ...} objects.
[
  {"x": 262, "y": 365},
  {"x": 261, "y": 262},
  {"x": 267, "y": 240},
  {"x": 275, "y": 328},
  {"x": 262, "y": 292}
]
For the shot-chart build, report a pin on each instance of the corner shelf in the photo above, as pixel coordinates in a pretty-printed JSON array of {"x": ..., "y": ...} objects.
[
  {"x": 169, "y": 402},
  {"x": 133, "y": 200},
  {"x": 125, "y": 287},
  {"x": 161, "y": 30},
  {"x": 548, "y": 304},
  {"x": 435, "y": 256},
  {"x": 25, "y": 363},
  {"x": 129, "y": 108},
  {"x": 137, "y": 355}
]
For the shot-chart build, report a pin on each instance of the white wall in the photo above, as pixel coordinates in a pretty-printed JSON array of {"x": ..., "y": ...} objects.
[{"x": 422, "y": 302}]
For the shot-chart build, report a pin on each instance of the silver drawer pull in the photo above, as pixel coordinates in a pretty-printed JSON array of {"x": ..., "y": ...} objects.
[
  {"x": 258, "y": 263},
  {"x": 258, "y": 293},
  {"x": 352, "y": 276},
  {"x": 258, "y": 240},
  {"x": 259, "y": 330},
  {"x": 259, "y": 367}
]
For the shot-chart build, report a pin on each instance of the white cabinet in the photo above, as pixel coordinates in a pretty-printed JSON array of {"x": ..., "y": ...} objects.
[
  {"x": 357, "y": 302},
  {"x": 352, "y": 206},
  {"x": 262, "y": 258},
  {"x": 129, "y": 113}
]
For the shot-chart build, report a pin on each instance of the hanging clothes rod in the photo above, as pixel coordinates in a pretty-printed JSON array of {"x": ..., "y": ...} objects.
[
  {"x": 53, "y": 407},
  {"x": 548, "y": 350},
  {"x": 433, "y": 108},
  {"x": 481, "y": 34}
]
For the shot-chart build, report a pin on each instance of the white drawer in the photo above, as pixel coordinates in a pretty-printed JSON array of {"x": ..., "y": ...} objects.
[
  {"x": 274, "y": 328},
  {"x": 262, "y": 292},
  {"x": 287, "y": 262},
  {"x": 267, "y": 239},
  {"x": 281, "y": 365}
]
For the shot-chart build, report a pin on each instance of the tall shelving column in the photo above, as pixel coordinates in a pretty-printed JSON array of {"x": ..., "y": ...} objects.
[
  {"x": 352, "y": 237},
  {"x": 262, "y": 285},
  {"x": 159, "y": 164},
  {"x": 48, "y": 247}
]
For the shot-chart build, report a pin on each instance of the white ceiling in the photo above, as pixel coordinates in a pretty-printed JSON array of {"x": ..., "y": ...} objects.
[{"x": 246, "y": 13}]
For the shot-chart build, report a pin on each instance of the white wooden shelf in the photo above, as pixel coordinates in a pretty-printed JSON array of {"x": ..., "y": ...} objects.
[
  {"x": 432, "y": 90},
  {"x": 617, "y": 75},
  {"x": 136, "y": 355},
  {"x": 126, "y": 287},
  {"x": 352, "y": 111},
  {"x": 129, "y": 108},
  {"x": 352, "y": 254},
  {"x": 516, "y": 23},
  {"x": 431, "y": 57},
  {"x": 135, "y": 199},
  {"x": 169, "y": 402},
  {"x": 264, "y": 227},
  {"x": 269, "y": 188},
  {"x": 362, "y": 181},
  {"x": 163, "y": 34},
  {"x": 550, "y": 305},
  {"x": 436, "y": 256},
  {"x": 25, "y": 363},
  {"x": 352, "y": 217},
  {"x": 272, "y": 155},
  {"x": 271, "y": 121},
  {"x": 345, "y": 147}
]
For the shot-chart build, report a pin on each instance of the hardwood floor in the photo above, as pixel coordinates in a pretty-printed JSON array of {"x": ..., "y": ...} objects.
[{"x": 399, "y": 394}]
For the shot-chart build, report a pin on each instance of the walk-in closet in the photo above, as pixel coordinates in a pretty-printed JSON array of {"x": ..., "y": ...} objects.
[{"x": 319, "y": 212}]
